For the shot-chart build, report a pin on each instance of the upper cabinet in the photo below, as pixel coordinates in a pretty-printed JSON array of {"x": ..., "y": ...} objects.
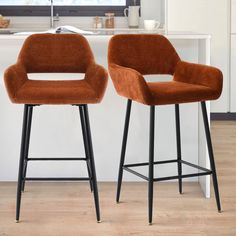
[{"x": 210, "y": 17}]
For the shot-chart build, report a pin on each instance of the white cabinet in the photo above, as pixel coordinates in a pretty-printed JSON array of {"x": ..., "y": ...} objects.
[
  {"x": 210, "y": 17},
  {"x": 233, "y": 16},
  {"x": 233, "y": 74}
]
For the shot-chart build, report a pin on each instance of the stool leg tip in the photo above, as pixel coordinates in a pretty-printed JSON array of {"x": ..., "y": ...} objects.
[
  {"x": 220, "y": 211},
  {"x": 17, "y": 221},
  {"x": 99, "y": 221},
  {"x": 150, "y": 223}
]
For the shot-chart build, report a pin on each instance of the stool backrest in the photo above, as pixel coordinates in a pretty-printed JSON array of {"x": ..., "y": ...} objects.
[
  {"x": 146, "y": 53},
  {"x": 56, "y": 53}
]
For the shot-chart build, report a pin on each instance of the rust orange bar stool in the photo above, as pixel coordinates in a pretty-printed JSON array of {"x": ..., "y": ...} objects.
[
  {"x": 132, "y": 56},
  {"x": 58, "y": 53}
]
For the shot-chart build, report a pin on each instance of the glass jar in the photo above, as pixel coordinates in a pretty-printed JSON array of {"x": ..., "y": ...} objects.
[
  {"x": 97, "y": 22},
  {"x": 109, "y": 20}
]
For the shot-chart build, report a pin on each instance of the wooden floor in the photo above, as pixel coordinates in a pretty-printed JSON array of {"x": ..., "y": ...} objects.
[{"x": 65, "y": 209}]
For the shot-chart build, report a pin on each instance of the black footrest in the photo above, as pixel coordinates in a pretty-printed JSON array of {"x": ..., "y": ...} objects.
[
  {"x": 205, "y": 170},
  {"x": 57, "y": 179},
  {"x": 57, "y": 159},
  {"x": 182, "y": 176}
]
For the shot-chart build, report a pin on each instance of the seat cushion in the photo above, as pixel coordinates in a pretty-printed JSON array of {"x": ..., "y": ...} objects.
[
  {"x": 173, "y": 92},
  {"x": 56, "y": 92}
]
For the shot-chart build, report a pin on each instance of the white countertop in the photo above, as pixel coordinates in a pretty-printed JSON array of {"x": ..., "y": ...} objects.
[{"x": 110, "y": 32}]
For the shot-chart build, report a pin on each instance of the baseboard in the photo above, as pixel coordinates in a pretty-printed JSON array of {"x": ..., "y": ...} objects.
[{"x": 223, "y": 116}]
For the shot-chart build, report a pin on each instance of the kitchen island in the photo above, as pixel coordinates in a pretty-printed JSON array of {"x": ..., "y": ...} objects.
[{"x": 56, "y": 129}]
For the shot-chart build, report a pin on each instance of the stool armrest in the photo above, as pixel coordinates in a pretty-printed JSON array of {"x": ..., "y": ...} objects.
[
  {"x": 96, "y": 76},
  {"x": 130, "y": 83},
  {"x": 14, "y": 77},
  {"x": 204, "y": 75}
]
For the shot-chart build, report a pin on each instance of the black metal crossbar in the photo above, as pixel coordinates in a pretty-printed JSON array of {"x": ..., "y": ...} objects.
[
  {"x": 135, "y": 173},
  {"x": 57, "y": 179},
  {"x": 206, "y": 171},
  {"x": 57, "y": 159},
  {"x": 194, "y": 166},
  {"x": 181, "y": 176},
  {"x": 147, "y": 163}
]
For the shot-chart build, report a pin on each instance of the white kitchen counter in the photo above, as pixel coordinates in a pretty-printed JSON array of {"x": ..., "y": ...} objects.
[
  {"x": 56, "y": 130},
  {"x": 109, "y": 32}
]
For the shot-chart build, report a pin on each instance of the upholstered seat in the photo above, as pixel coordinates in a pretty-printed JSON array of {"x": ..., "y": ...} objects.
[
  {"x": 43, "y": 54},
  {"x": 56, "y": 92},
  {"x": 175, "y": 92},
  {"x": 133, "y": 56}
]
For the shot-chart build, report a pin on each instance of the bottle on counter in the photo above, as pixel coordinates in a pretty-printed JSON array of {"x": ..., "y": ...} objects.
[
  {"x": 109, "y": 20},
  {"x": 4, "y": 23},
  {"x": 97, "y": 22}
]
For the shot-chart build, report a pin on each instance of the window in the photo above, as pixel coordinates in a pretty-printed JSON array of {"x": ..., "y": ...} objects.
[
  {"x": 65, "y": 2},
  {"x": 64, "y": 7}
]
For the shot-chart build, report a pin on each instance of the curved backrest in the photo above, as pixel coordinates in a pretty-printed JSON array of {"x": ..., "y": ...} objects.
[
  {"x": 146, "y": 53},
  {"x": 45, "y": 53}
]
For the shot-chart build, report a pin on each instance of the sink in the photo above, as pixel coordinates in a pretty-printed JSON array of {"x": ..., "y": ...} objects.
[{"x": 6, "y": 31}]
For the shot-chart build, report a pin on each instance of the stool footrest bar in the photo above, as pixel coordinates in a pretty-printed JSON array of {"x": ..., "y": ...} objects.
[
  {"x": 155, "y": 163},
  {"x": 135, "y": 173},
  {"x": 182, "y": 176},
  {"x": 205, "y": 170},
  {"x": 57, "y": 179},
  {"x": 194, "y": 166},
  {"x": 57, "y": 159}
]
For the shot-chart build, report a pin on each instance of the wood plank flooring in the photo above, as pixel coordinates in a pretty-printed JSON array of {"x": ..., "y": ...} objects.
[{"x": 67, "y": 209}]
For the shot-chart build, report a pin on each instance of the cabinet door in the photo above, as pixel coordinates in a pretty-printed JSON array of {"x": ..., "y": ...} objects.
[
  {"x": 233, "y": 74},
  {"x": 233, "y": 16},
  {"x": 209, "y": 17}
]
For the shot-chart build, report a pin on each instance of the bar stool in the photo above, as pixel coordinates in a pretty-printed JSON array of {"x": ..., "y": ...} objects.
[
  {"x": 56, "y": 53},
  {"x": 132, "y": 56}
]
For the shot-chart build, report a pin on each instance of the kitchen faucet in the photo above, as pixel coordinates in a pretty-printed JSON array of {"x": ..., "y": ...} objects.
[{"x": 52, "y": 18}]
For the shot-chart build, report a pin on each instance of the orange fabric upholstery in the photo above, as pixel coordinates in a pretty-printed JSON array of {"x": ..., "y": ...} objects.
[
  {"x": 130, "y": 57},
  {"x": 56, "y": 53}
]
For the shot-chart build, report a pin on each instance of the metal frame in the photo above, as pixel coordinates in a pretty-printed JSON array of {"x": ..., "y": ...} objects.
[
  {"x": 150, "y": 178},
  {"x": 24, "y": 158},
  {"x": 64, "y": 10}
]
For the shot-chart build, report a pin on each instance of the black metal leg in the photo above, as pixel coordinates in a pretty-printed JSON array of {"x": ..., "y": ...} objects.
[
  {"x": 151, "y": 162},
  {"x": 21, "y": 162},
  {"x": 86, "y": 146},
  {"x": 178, "y": 141},
  {"x": 27, "y": 141},
  {"x": 90, "y": 175},
  {"x": 92, "y": 163},
  {"x": 211, "y": 155},
  {"x": 123, "y": 149}
]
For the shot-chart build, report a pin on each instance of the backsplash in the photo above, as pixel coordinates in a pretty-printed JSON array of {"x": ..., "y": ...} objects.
[{"x": 154, "y": 12}]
